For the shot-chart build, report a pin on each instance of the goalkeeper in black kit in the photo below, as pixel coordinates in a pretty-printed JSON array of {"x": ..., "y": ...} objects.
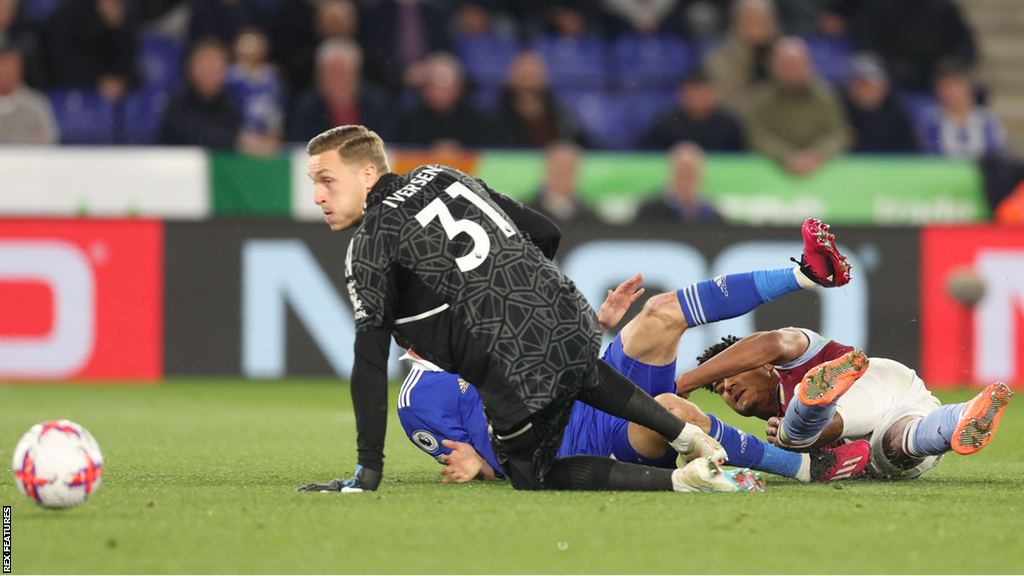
[{"x": 463, "y": 275}]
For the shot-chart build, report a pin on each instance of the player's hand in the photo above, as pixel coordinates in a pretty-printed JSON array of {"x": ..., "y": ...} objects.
[
  {"x": 463, "y": 464},
  {"x": 619, "y": 301},
  {"x": 771, "y": 429}
]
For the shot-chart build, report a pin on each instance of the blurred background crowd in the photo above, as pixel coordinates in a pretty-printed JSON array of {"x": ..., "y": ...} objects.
[{"x": 798, "y": 81}]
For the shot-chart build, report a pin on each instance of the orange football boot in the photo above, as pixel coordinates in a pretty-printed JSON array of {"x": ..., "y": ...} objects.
[
  {"x": 980, "y": 418},
  {"x": 826, "y": 382}
]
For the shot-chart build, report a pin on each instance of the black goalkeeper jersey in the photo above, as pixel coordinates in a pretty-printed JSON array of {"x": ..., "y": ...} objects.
[{"x": 458, "y": 272}]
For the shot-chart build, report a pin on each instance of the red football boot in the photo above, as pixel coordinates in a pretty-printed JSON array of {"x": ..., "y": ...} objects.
[
  {"x": 839, "y": 462},
  {"x": 821, "y": 261}
]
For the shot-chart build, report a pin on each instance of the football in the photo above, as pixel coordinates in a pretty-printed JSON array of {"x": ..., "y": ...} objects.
[{"x": 57, "y": 464}]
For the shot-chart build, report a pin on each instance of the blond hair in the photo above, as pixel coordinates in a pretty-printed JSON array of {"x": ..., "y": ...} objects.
[{"x": 354, "y": 144}]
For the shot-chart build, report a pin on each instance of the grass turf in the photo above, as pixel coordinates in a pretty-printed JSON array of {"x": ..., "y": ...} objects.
[{"x": 201, "y": 474}]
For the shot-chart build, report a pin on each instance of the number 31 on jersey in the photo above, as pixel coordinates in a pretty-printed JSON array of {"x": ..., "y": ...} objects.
[{"x": 452, "y": 227}]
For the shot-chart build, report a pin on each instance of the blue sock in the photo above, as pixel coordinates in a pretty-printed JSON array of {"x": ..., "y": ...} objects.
[
  {"x": 734, "y": 295},
  {"x": 749, "y": 452},
  {"x": 772, "y": 284},
  {"x": 805, "y": 422},
  {"x": 743, "y": 449},
  {"x": 934, "y": 432},
  {"x": 779, "y": 461}
]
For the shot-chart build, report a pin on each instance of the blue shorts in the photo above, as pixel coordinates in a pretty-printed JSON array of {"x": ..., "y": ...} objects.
[
  {"x": 652, "y": 379},
  {"x": 593, "y": 432}
]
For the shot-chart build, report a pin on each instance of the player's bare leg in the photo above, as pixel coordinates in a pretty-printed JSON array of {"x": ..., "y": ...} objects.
[
  {"x": 652, "y": 337},
  {"x": 649, "y": 443}
]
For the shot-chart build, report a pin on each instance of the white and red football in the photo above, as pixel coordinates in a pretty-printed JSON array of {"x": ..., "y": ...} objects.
[{"x": 57, "y": 464}]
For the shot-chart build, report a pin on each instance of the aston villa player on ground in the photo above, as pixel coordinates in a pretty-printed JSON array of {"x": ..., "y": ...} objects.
[{"x": 463, "y": 275}]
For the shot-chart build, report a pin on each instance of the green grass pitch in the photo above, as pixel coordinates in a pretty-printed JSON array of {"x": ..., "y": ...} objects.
[{"x": 201, "y": 474}]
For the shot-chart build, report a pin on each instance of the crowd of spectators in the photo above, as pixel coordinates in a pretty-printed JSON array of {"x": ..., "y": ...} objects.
[{"x": 748, "y": 77}]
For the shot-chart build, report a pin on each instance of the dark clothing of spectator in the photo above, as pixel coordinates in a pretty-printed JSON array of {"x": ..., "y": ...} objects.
[
  {"x": 912, "y": 35},
  {"x": 149, "y": 10},
  {"x": 536, "y": 16},
  {"x": 720, "y": 132},
  {"x": 1001, "y": 175},
  {"x": 664, "y": 208},
  {"x": 379, "y": 35},
  {"x": 218, "y": 19},
  {"x": 798, "y": 17},
  {"x": 424, "y": 126},
  {"x": 191, "y": 121},
  {"x": 886, "y": 129},
  {"x": 293, "y": 44},
  {"x": 22, "y": 36},
  {"x": 516, "y": 131},
  {"x": 310, "y": 115},
  {"x": 81, "y": 48},
  {"x": 578, "y": 214}
]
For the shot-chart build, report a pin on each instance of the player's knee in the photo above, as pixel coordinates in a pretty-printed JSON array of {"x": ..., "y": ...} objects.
[
  {"x": 686, "y": 411},
  {"x": 665, "y": 308},
  {"x": 676, "y": 405}
]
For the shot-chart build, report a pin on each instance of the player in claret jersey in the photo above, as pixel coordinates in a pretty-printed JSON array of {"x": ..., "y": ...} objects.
[{"x": 815, "y": 392}]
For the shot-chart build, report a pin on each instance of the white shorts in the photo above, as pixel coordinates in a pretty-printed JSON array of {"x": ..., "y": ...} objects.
[{"x": 885, "y": 393}]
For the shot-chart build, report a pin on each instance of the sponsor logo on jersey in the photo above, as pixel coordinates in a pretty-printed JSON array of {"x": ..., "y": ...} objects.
[
  {"x": 463, "y": 385},
  {"x": 357, "y": 304},
  {"x": 426, "y": 441}
]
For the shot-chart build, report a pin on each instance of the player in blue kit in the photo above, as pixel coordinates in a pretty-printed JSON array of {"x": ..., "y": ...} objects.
[{"x": 444, "y": 417}]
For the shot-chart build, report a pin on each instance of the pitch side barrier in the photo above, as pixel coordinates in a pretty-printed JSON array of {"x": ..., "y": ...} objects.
[
  {"x": 266, "y": 299},
  {"x": 134, "y": 300}
]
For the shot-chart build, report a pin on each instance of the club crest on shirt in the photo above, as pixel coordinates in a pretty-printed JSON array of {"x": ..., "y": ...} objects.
[
  {"x": 463, "y": 385},
  {"x": 426, "y": 441}
]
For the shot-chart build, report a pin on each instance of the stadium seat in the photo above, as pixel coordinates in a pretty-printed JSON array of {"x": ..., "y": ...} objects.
[
  {"x": 651, "y": 62},
  {"x": 921, "y": 106},
  {"x": 831, "y": 57},
  {"x": 574, "y": 63},
  {"x": 84, "y": 116},
  {"x": 160, "y": 62},
  {"x": 143, "y": 114},
  {"x": 269, "y": 7},
  {"x": 643, "y": 107},
  {"x": 486, "y": 58},
  {"x": 39, "y": 10},
  {"x": 602, "y": 116}
]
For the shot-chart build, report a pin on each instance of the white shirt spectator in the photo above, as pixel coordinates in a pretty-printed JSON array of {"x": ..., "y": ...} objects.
[{"x": 26, "y": 117}]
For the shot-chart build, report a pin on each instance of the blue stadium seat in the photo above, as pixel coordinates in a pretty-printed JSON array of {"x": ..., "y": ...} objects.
[
  {"x": 831, "y": 56},
  {"x": 651, "y": 62},
  {"x": 574, "y": 63},
  {"x": 644, "y": 106},
  {"x": 160, "y": 61},
  {"x": 486, "y": 58},
  {"x": 602, "y": 116},
  {"x": 920, "y": 106},
  {"x": 39, "y": 10},
  {"x": 84, "y": 116},
  {"x": 143, "y": 115},
  {"x": 269, "y": 7}
]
